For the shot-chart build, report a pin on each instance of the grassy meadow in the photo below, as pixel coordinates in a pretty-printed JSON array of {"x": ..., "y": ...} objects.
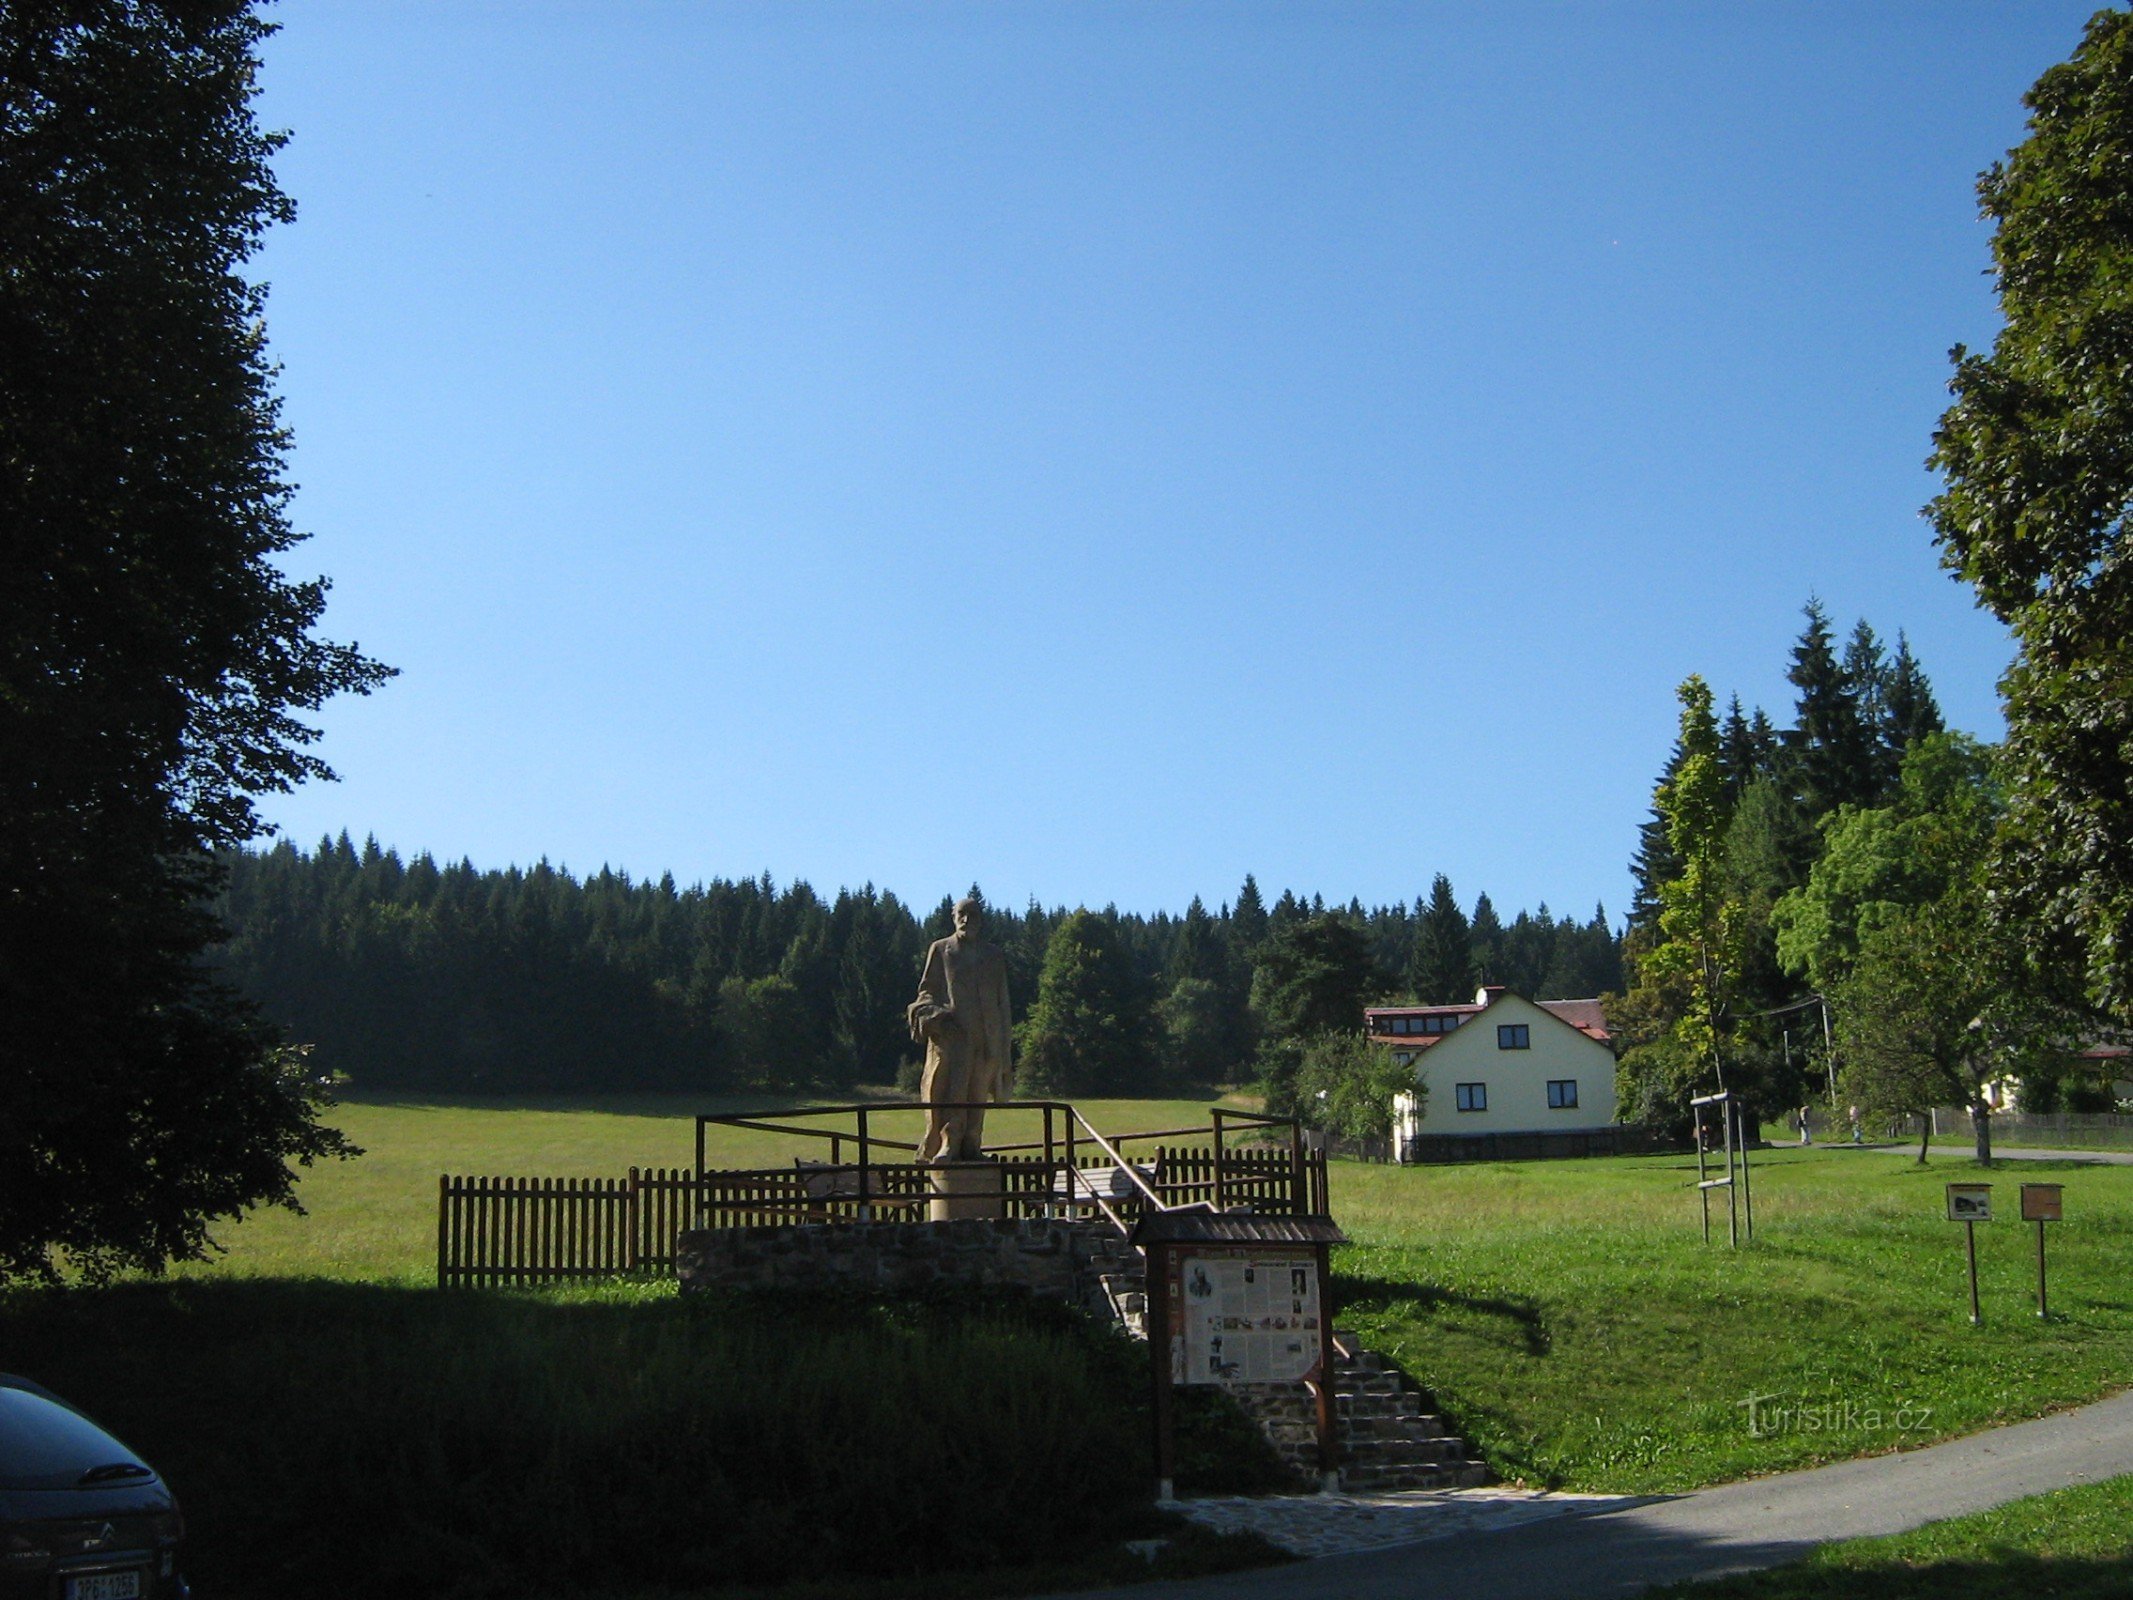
[
  {"x": 2070, "y": 1545},
  {"x": 307, "y": 1388},
  {"x": 337, "y": 1427},
  {"x": 1569, "y": 1317},
  {"x": 374, "y": 1219}
]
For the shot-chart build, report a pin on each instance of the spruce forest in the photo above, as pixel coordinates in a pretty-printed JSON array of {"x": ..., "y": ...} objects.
[
  {"x": 1740, "y": 940},
  {"x": 411, "y": 975},
  {"x": 407, "y": 974}
]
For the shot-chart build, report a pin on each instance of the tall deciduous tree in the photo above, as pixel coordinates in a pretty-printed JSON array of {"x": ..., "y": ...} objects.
[
  {"x": 2037, "y": 458},
  {"x": 154, "y": 656},
  {"x": 1933, "y": 999}
]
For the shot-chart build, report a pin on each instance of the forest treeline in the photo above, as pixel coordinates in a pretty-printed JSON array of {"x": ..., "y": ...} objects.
[
  {"x": 1751, "y": 840},
  {"x": 408, "y": 974}
]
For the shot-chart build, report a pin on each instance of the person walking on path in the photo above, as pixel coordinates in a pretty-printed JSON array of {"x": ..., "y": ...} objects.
[{"x": 1806, "y": 1133}]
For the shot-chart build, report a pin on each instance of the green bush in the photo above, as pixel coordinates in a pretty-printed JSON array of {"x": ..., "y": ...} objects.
[{"x": 338, "y": 1439}]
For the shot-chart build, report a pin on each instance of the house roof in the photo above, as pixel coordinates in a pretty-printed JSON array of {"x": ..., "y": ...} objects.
[
  {"x": 1202, "y": 1224},
  {"x": 1586, "y": 1016}
]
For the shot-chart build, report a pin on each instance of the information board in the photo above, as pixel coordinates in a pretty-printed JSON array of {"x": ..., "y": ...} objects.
[
  {"x": 1247, "y": 1318},
  {"x": 2041, "y": 1202},
  {"x": 1969, "y": 1202}
]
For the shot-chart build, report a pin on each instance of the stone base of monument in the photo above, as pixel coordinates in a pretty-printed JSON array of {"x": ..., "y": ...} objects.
[{"x": 965, "y": 1189}]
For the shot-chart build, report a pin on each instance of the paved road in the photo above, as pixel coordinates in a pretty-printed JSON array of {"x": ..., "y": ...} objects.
[
  {"x": 1737, "y": 1527},
  {"x": 2108, "y": 1158}
]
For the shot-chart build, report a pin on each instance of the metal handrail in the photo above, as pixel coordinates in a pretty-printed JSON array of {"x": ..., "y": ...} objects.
[{"x": 761, "y": 1122}]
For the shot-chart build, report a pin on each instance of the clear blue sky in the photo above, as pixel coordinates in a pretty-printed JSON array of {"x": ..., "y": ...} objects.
[{"x": 1103, "y": 450}]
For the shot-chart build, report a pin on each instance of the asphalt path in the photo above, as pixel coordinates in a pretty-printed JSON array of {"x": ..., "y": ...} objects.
[
  {"x": 2107, "y": 1158},
  {"x": 1736, "y": 1527}
]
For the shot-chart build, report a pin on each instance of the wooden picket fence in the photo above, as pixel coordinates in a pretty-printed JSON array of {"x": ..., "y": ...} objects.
[
  {"x": 493, "y": 1232},
  {"x": 503, "y": 1231}
]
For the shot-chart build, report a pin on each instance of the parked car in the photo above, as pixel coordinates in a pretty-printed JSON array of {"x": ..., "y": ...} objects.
[{"x": 81, "y": 1516}]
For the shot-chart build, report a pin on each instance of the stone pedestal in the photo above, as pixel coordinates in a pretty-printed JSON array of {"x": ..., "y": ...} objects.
[{"x": 963, "y": 1189}]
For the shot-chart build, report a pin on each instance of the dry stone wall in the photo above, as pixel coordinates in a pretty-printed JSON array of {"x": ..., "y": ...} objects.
[{"x": 1048, "y": 1256}]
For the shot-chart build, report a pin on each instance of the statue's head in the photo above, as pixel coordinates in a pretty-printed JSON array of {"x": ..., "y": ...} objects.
[{"x": 969, "y": 917}]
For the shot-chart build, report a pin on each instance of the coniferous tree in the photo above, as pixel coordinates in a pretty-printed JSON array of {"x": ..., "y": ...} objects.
[
  {"x": 1088, "y": 1032},
  {"x": 1654, "y": 862},
  {"x": 1909, "y": 711},
  {"x": 1485, "y": 936},
  {"x": 1442, "y": 970},
  {"x": 1745, "y": 750},
  {"x": 1866, "y": 677},
  {"x": 1830, "y": 749},
  {"x": 1247, "y": 920}
]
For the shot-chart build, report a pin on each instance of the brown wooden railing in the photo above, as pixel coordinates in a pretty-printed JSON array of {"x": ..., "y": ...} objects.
[{"x": 502, "y": 1231}]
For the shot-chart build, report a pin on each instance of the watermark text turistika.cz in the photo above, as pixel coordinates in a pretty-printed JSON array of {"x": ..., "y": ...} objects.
[{"x": 1771, "y": 1414}]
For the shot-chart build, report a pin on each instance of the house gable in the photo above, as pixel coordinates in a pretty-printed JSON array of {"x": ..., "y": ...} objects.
[{"x": 1512, "y": 1065}]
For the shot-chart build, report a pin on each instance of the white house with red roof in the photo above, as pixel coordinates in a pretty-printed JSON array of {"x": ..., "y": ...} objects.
[{"x": 1504, "y": 1064}]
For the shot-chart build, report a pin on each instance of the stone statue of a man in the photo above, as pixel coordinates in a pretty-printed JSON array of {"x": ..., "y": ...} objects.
[{"x": 961, "y": 1017}]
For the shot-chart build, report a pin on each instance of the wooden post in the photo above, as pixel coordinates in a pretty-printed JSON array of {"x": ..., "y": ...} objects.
[
  {"x": 633, "y": 1220},
  {"x": 1970, "y": 1236},
  {"x": 866, "y": 1204},
  {"x": 1733, "y": 1200},
  {"x": 1747, "y": 1190},
  {"x": 1159, "y": 1269},
  {"x": 1073, "y": 1167},
  {"x": 696, "y": 1207},
  {"x": 1221, "y": 1167},
  {"x": 444, "y": 1211},
  {"x": 1703, "y": 1172},
  {"x": 2041, "y": 1311},
  {"x": 1299, "y": 1194},
  {"x": 1329, "y": 1447}
]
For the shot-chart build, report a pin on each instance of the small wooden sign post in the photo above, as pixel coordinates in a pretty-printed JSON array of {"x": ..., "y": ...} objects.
[
  {"x": 2041, "y": 1204},
  {"x": 1970, "y": 1204}
]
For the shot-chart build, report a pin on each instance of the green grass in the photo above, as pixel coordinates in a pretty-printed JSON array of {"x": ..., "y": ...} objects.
[
  {"x": 1571, "y": 1322},
  {"x": 307, "y": 1389},
  {"x": 375, "y": 1218},
  {"x": 337, "y": 1427},
  {"x": 2072, "y": 1545}
]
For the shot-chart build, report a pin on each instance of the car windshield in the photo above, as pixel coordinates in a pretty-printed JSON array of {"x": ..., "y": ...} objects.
[{"x": 43, "y": 1445}]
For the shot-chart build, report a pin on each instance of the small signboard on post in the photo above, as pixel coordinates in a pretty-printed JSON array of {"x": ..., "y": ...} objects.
[
  {"x": 1238, "y": 1299},
  {"x": 2041, "y": 1204},
  {"x": 1251, "y": 1316},
  {"x": 1970, "y": 1204}
]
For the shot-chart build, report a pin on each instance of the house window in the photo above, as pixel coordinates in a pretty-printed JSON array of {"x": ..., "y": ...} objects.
[
  {"x": 1514, "y": 1036},
  {"x": 1562, "y": 1094},
  {"x": 1471, "y": 1096},
  {"x": 1403, "y": 1058},
  {"x": 1400, "y": 1025}
]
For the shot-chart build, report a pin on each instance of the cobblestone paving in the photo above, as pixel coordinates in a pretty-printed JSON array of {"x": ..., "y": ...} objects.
[{"x": 1334, "y": 1524}]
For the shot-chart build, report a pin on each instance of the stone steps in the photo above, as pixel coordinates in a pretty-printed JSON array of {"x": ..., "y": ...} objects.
[{"x": 1387, "y": 1441}]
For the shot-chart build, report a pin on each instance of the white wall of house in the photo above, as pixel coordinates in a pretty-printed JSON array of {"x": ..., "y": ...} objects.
[{"x": 1515, "y": 1081}]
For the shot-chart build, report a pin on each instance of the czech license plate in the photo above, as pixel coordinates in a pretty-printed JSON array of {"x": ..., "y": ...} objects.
[{"x": 105, "y": 1586}]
